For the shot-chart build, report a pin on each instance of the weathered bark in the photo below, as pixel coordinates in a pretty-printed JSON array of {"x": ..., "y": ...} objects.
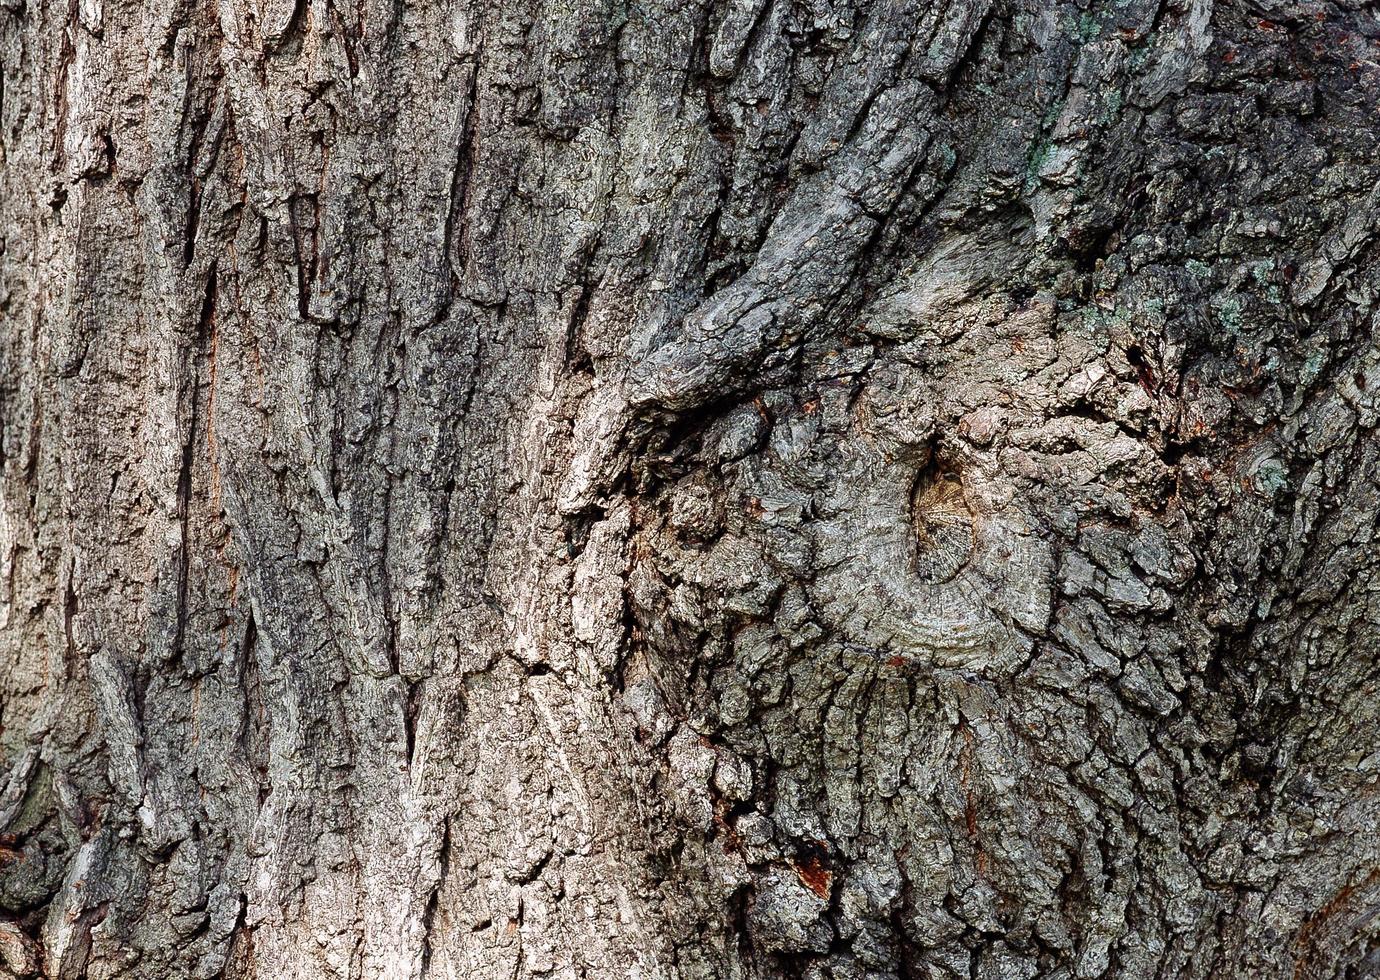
[{"x": 750, "y": 489}]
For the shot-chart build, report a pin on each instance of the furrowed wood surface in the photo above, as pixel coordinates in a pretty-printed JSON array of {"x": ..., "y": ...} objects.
[{"x": 752, "y": 489}]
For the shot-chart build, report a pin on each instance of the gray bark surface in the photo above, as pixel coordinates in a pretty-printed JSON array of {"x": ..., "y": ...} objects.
[{"x": 744, "y": 489}]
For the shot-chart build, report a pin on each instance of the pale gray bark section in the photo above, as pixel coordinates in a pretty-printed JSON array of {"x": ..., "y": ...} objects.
[{"x": 741, "y": 489}]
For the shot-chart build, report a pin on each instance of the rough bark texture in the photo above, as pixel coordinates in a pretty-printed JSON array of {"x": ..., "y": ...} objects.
[{"x": 848, "y": 489}]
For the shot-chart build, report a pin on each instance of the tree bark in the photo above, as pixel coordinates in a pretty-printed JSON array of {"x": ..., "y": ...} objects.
[{"x": 814, "y": 489}]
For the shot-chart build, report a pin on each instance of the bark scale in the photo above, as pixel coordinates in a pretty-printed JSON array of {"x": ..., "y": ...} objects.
[{"x": 748, "y": 489}]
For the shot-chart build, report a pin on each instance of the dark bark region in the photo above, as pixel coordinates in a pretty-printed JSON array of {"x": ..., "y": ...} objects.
[{"x": 750, "y": 489}]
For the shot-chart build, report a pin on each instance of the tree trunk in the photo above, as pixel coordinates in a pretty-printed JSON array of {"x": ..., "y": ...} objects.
[{"x": 848, "y": 489}]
